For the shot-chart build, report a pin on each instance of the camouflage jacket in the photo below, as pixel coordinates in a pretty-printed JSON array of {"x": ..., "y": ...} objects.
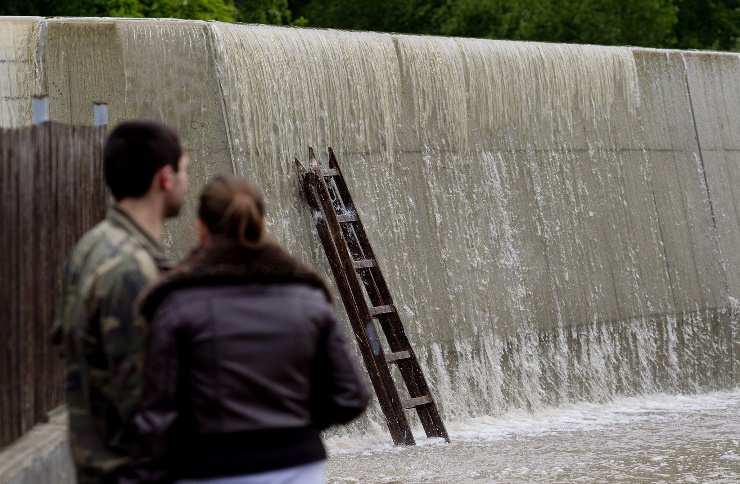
[{"x": 103, "y": 339}]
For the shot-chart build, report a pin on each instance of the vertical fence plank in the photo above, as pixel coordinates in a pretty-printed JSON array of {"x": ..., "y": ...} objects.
[
  {"x": 16, "y": 402},
  {"x": 42, "y": 224},
  {"x": 27, "y": 366},
  {"x": 14, "y": 340},
  {"x": 57, "y": 241},
  {"x": 5, "y": 290}
]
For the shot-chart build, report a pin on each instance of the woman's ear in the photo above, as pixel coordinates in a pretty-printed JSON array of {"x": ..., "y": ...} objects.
[{"x": 204, "y": 237}]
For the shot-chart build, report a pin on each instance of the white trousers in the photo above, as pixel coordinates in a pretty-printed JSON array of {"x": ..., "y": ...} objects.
[{"x": 313, "y": 473}]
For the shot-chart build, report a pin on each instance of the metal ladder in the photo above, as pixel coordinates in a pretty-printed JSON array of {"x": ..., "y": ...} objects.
[{"x": 367, "y": 298}]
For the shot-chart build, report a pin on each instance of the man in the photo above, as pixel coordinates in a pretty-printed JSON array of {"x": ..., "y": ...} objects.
[{"x": 146, "y": 171}]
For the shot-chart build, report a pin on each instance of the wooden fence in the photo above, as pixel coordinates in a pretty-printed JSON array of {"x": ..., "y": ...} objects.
[{"x": 52, "y": 190}]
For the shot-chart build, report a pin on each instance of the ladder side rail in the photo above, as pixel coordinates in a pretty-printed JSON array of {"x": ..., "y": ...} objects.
[
  {"x": 416, "y": 383},
  {"x": 341, "y": 183},
  {"x": 366, "y": 332},
  {"x": 365, "y": 335},
  {"x": 360, "y": 243},
  {"x": 373, "y": 278},
  {"x": 380, "y": 295},
  {"x": 391, "y": 324},
  {"x": 370, "y": 346},
  {"x": 367, "y": 338},
  {"x": 409, "y": 367},
  {"x": 343, "y": 250},
  {"x": 397, "y": 339},
  {"x": 376, "y": 278}
]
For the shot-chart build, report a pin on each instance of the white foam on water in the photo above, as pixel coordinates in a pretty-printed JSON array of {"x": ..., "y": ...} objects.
[
  {"x": 579, "y": 417},
  {"x": 650, "y": 438}
]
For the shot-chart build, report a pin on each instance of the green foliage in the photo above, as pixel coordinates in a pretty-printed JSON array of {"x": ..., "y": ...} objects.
[
  {"x": 188, "y": 9},
  {"x": 708, "y": 24},
  {"x": 409, "y": 16},
  {"x": 124, "y": 8},
  {"x": 97, "y": 8},
  {"x": 23, "y": 7},
  {"x": 654, "y": 23},
  {"x": 274, "y": 12},
  {"x": 613, "y": 22},
  {"x": 693, "y": 24},
  {"x": 191, "y": 9}
]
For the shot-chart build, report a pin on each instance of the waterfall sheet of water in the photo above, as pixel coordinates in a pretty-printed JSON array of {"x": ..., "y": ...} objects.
[
  {"x": 514, "y": 195},
  {"x": 21, "y": 68}
]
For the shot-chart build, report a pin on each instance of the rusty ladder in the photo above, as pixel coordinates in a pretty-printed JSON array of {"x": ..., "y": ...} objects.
[{"x": 367, "y": 298}]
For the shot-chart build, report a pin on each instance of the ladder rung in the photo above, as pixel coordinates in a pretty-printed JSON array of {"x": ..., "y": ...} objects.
[
  {"x": 398, "y": 355},
  {"x": 417, "y": 402},
  {"x": 364, "y": 263},
  {"x": 348, "y": 217},
  {"x": 329, "y": 172},
  {"x": 377, "y": 310}
]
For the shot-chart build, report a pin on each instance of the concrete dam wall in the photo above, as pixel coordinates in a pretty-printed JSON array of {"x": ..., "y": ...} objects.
[{"x": 556, "y": 222}]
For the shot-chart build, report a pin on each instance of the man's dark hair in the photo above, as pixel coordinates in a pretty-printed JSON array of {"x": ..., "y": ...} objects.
[{"x": 134, "y": 152}]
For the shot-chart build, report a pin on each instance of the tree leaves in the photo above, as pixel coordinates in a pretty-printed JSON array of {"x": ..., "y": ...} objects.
[{"x": 693, "y": 24}]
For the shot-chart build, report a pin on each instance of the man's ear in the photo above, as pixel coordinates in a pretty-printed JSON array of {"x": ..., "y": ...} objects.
[{"x": 166, "y": 178}]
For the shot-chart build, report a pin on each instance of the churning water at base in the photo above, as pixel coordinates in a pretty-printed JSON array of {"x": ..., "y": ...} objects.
[{"x": 649, "y": 438}]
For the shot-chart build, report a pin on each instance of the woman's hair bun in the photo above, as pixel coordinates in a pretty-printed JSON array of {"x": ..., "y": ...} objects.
[{"x": 232, "y": 207}]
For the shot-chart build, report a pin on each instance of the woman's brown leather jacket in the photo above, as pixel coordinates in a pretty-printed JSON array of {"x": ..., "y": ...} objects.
[{"x": 246, "y": 363}]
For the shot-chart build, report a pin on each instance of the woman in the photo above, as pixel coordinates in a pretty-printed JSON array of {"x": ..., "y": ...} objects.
[{"x": 246, "y": 361}]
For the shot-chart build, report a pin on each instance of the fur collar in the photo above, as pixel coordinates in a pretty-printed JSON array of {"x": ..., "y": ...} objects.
[{"x": 228, "y": 263}]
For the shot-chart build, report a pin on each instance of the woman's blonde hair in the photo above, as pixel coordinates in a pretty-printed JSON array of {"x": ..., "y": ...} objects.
[{"x": 232, "y": 207}]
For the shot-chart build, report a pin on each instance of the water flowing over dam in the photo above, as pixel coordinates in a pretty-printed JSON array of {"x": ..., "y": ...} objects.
[{"x": 558, "y": 223}]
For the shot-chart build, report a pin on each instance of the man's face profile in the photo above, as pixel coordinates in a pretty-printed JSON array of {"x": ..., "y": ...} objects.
[{"x": 176, "y": 187}]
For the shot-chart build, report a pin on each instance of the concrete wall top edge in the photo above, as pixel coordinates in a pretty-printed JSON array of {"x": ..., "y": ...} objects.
[
  {"x": 126, "y": 20},
  {"x": 16, "y": 18},
  {"x": 683, "y": 51}
]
